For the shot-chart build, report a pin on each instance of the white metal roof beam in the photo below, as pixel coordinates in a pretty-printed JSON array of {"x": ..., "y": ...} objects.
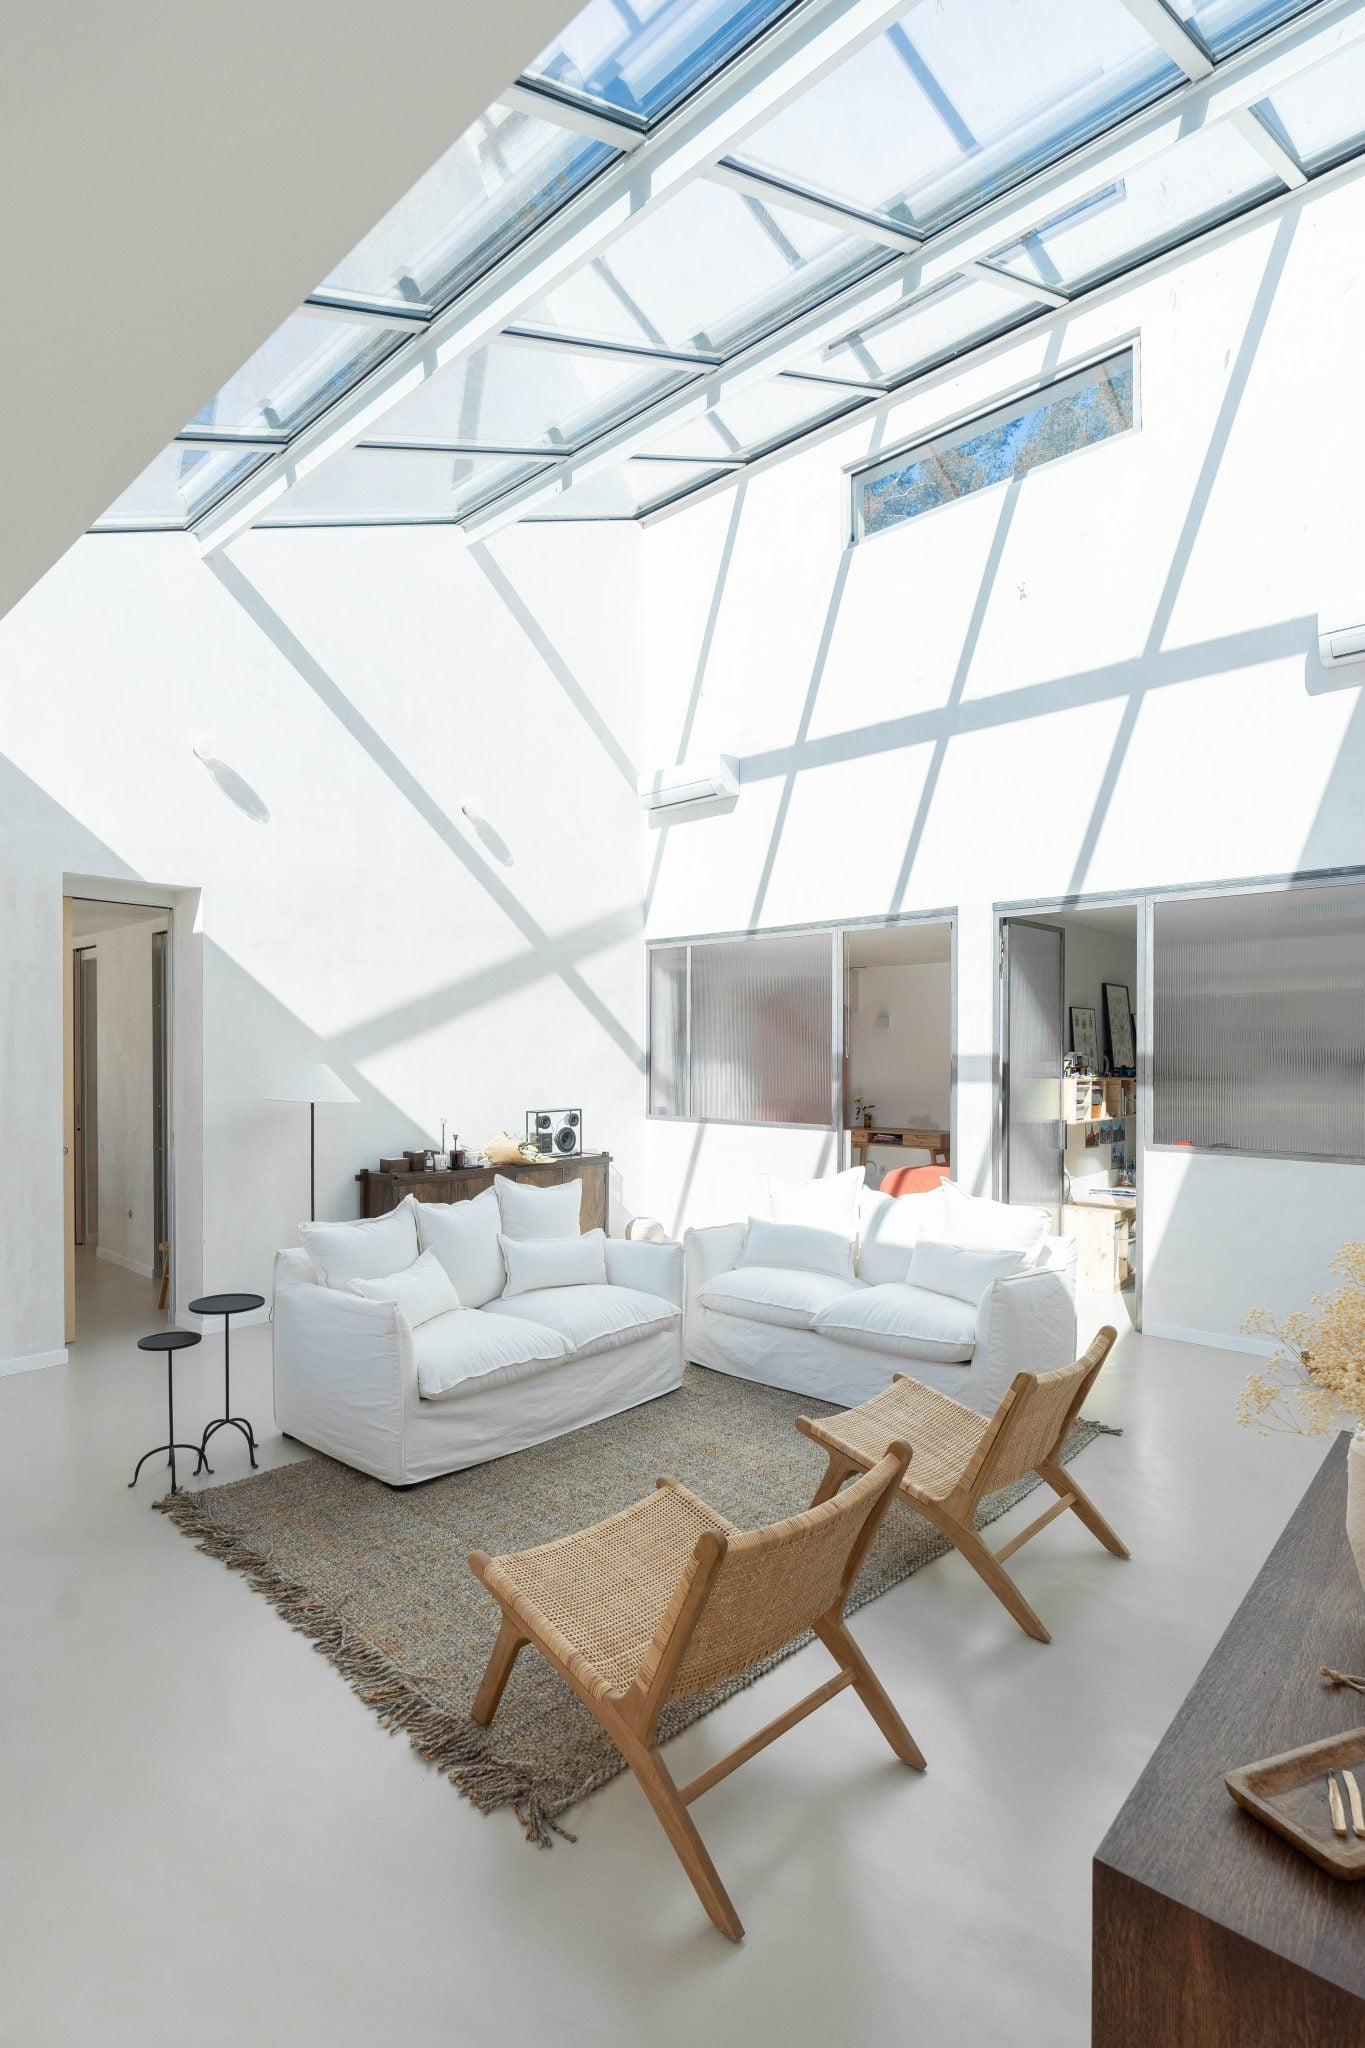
[
  {"x": 1171, "y": 36},
  {"x": 1022, "y": 287},
  {"x": 1272, "y": 152},
  {"x": 776, "y": 192},
  {"x": 580, "y": 120},
  {"x": 1238, "y": 82}
]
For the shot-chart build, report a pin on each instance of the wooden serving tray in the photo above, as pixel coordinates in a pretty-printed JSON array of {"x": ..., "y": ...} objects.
[{"x": 1289, "y": 1793}]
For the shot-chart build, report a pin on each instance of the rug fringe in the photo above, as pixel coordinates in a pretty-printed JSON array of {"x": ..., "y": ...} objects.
[{"x": 457, "y": 1747}]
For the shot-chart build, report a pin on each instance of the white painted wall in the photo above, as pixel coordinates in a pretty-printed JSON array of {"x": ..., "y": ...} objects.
[
  {"x": 1101, "y": 678},
  {"x": 123, "y": 1126},
  {"x": 365, "y": 685}
]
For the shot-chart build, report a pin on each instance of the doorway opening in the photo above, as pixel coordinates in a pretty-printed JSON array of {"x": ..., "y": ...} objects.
[
  {"x": 119, "y": 1142},
  {"x": 898, "y": 1048},
  {"x": 1069, "y": 1095}
]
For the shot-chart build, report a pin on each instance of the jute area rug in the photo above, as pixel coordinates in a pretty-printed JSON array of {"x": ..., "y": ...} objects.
[{"x": 378, "y": 1579}]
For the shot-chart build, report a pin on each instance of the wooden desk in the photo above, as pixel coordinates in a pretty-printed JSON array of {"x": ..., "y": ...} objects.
[
  {"x": 381, "y": 1192},
  {"x": 934, "y": 1142},
  {"x": 1209, "y": 1931},
  {"x": 1102, "y": 1230}
]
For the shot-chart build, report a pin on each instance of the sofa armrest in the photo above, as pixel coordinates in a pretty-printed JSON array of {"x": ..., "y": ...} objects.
[
  {"x": 1025, "y": 1323},
  {"x": 344, "y": 1374},
  {"x": 710, "y": 1251},
  {"x": 653, "y": 1268}
]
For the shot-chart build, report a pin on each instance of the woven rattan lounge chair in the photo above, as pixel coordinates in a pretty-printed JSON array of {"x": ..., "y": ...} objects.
[
  {"x": 668, "y": 1598},
  {"x": 960, "y": 1456}
]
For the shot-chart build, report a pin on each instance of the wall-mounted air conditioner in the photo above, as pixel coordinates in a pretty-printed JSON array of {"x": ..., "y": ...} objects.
[
  {"x": 1340, "y": 648},
  {"x": 691, "y": 782}
]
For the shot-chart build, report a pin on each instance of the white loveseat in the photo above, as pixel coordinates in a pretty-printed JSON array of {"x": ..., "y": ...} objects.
[
  {"x": 841, "y": 1331},
  {"x": 356, "y": 1378}
]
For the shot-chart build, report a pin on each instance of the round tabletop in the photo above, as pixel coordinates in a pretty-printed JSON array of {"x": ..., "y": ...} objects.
[
  {"x": 226, "y": 1304},
  {"x": 168, "y": 1340}
]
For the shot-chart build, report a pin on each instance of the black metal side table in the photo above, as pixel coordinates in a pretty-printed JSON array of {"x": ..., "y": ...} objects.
[
  {"x": 227, "y": 1306},
  {"x": 171, "y": 1341}
]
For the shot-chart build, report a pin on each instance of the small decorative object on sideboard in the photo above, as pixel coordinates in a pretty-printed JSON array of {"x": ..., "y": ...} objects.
[
  {"x": 1311, "y": 1796},
  {"x": 555, "y": 1133},
  {"x": 1315, "y": 1379}
]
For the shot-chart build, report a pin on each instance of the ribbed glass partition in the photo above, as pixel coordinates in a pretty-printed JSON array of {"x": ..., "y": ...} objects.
[
  {"x": 1259, "y": 1041},
  {"x": 742, "y": 1030}
]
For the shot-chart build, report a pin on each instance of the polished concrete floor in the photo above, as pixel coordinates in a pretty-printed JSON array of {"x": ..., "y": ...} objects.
[{"x": 204, "y": 1835}]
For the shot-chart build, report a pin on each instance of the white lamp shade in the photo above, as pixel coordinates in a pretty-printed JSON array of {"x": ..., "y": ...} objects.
[{"x": 309, "y": 1083}]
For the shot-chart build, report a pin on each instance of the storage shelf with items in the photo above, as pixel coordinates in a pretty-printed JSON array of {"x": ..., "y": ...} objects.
[{"x": 1090, "y": 1098}]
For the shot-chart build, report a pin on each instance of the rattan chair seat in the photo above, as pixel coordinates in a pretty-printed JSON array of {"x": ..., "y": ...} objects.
[{"x": 942, "y": 1434}]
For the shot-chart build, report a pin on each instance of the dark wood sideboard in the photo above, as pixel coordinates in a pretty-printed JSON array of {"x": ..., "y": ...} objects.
[
  {"x": 380, "y": 1192},
  {"x": 1209, "y": 1931}
]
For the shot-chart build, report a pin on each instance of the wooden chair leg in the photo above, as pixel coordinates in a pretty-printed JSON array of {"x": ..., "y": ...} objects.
[
  {"x": 836, "y": 1472},
  {"x": 1081, "y": 1504},
  {"x": 984, "y": 1561},
  {"x": 841, "y": 1646},
  {"x": 678, "y": 1825},
  {"x": 510, "y": 1643}
]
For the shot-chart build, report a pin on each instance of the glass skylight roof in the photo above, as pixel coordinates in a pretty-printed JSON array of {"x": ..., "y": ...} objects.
[
  {"x": 512, "y": 394},
  {"x": 377, "y": 486},
  {"x": 640, "y": 59},
  {"x": 304, "y": 366},
  {"x": 653, "y": 245},
  {"x": 1207, "y": 177},
  {"x": 958, "y": 101},
  {"x": 636, "y": 486},
  {"x": 708, "y": 271},
  {"x": 178, "y": 486},
  {"x": 1321, "y": 116},
  {"x": 930, "y": 328},
  {"x": 503, "y": 177}
]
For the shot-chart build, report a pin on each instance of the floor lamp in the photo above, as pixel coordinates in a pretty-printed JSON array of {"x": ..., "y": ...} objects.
[{"x": 311, "y": 1084}]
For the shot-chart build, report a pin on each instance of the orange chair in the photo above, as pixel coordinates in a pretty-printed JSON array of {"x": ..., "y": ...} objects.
[{"x": 913, "y": 1180}]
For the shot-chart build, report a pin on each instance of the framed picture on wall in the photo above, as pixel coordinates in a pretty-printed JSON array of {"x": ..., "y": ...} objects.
[
  {"x": 1118, "y": 1015},
  {"x": 1084, "y": 1041}
]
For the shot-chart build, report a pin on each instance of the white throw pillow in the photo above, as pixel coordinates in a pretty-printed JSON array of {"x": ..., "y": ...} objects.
[
  {"x": 577, "y": 1261},
  {"x": 975, "y": 1220},
  {"x": 889, "y": 1226},
  {"x": 796, "y": 1245},
  {"x": 531, "y": 1211},
  {"x": 343, "y": 1252},
  {"x": 963, "y": 1272},
  {"x": 464, "y": 1237},
  {"x": 423, "y": 1290},
  {"x": 830, "y": 1203}
]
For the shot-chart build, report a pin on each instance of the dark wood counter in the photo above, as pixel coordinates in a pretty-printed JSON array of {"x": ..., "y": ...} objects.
[
  {"x": 1209, "y": 1931},
  {"x": 381, "y": 1192}
]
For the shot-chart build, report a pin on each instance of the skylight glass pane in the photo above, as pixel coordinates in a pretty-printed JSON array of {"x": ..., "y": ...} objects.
[
  {"x": 377, "y": 486},
  {"x": 1073, "y": 413},
  {"x": 504, "y": 176},
  {"x": 1208, "y": 177},
  {"x": 509, "y": 394},
  {"x": 625, "y": 492},
  {"x": 751, "y": 420},
  {"x": 708, "y": 271},
  {"x": 641, "y": 59},
  {"x": 960, "y": 100},
  {"x": 1224, "y": 25},
  {"x": 179, "y": 485},
  {"x": 305, "y": 365},
  {"x": 1321, "y": 116},
  {"x": 930, "y": 328}
]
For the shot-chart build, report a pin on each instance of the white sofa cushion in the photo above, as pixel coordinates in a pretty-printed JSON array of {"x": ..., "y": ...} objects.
[
  {"x": 534, "y": 1262},
  {"x": 588, "y": 1319},
  {"x": 963, "y": 1271},
  {"x": 830, "y": 1203},
  {"x": 471, "y": 1348},
  {"x": 975, "y": 1220},
  {"x": 422, "y": 1290},
  {"x": 890, "y": 1226},
  {"x": 531, "y": 1211},
  {"x": 907, "y": 1321},
  {"x": 797, "y": 1245},
  {"x": 464, "y": 1237},
  {"x": 370, "y": 1250},
  {"x": 775, "y": 1294}
]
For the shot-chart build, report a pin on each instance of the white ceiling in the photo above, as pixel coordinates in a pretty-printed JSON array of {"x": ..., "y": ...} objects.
[
  {"x": 88, "y": 918},
  {"x": 176, "y": 176},
  {"x": 899, "y": 945}
]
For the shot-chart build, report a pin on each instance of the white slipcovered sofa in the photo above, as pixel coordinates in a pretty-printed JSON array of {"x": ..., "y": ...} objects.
[
  {"x": 444, "y": 1334},
  {"x": 841, "y": 1287}
]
